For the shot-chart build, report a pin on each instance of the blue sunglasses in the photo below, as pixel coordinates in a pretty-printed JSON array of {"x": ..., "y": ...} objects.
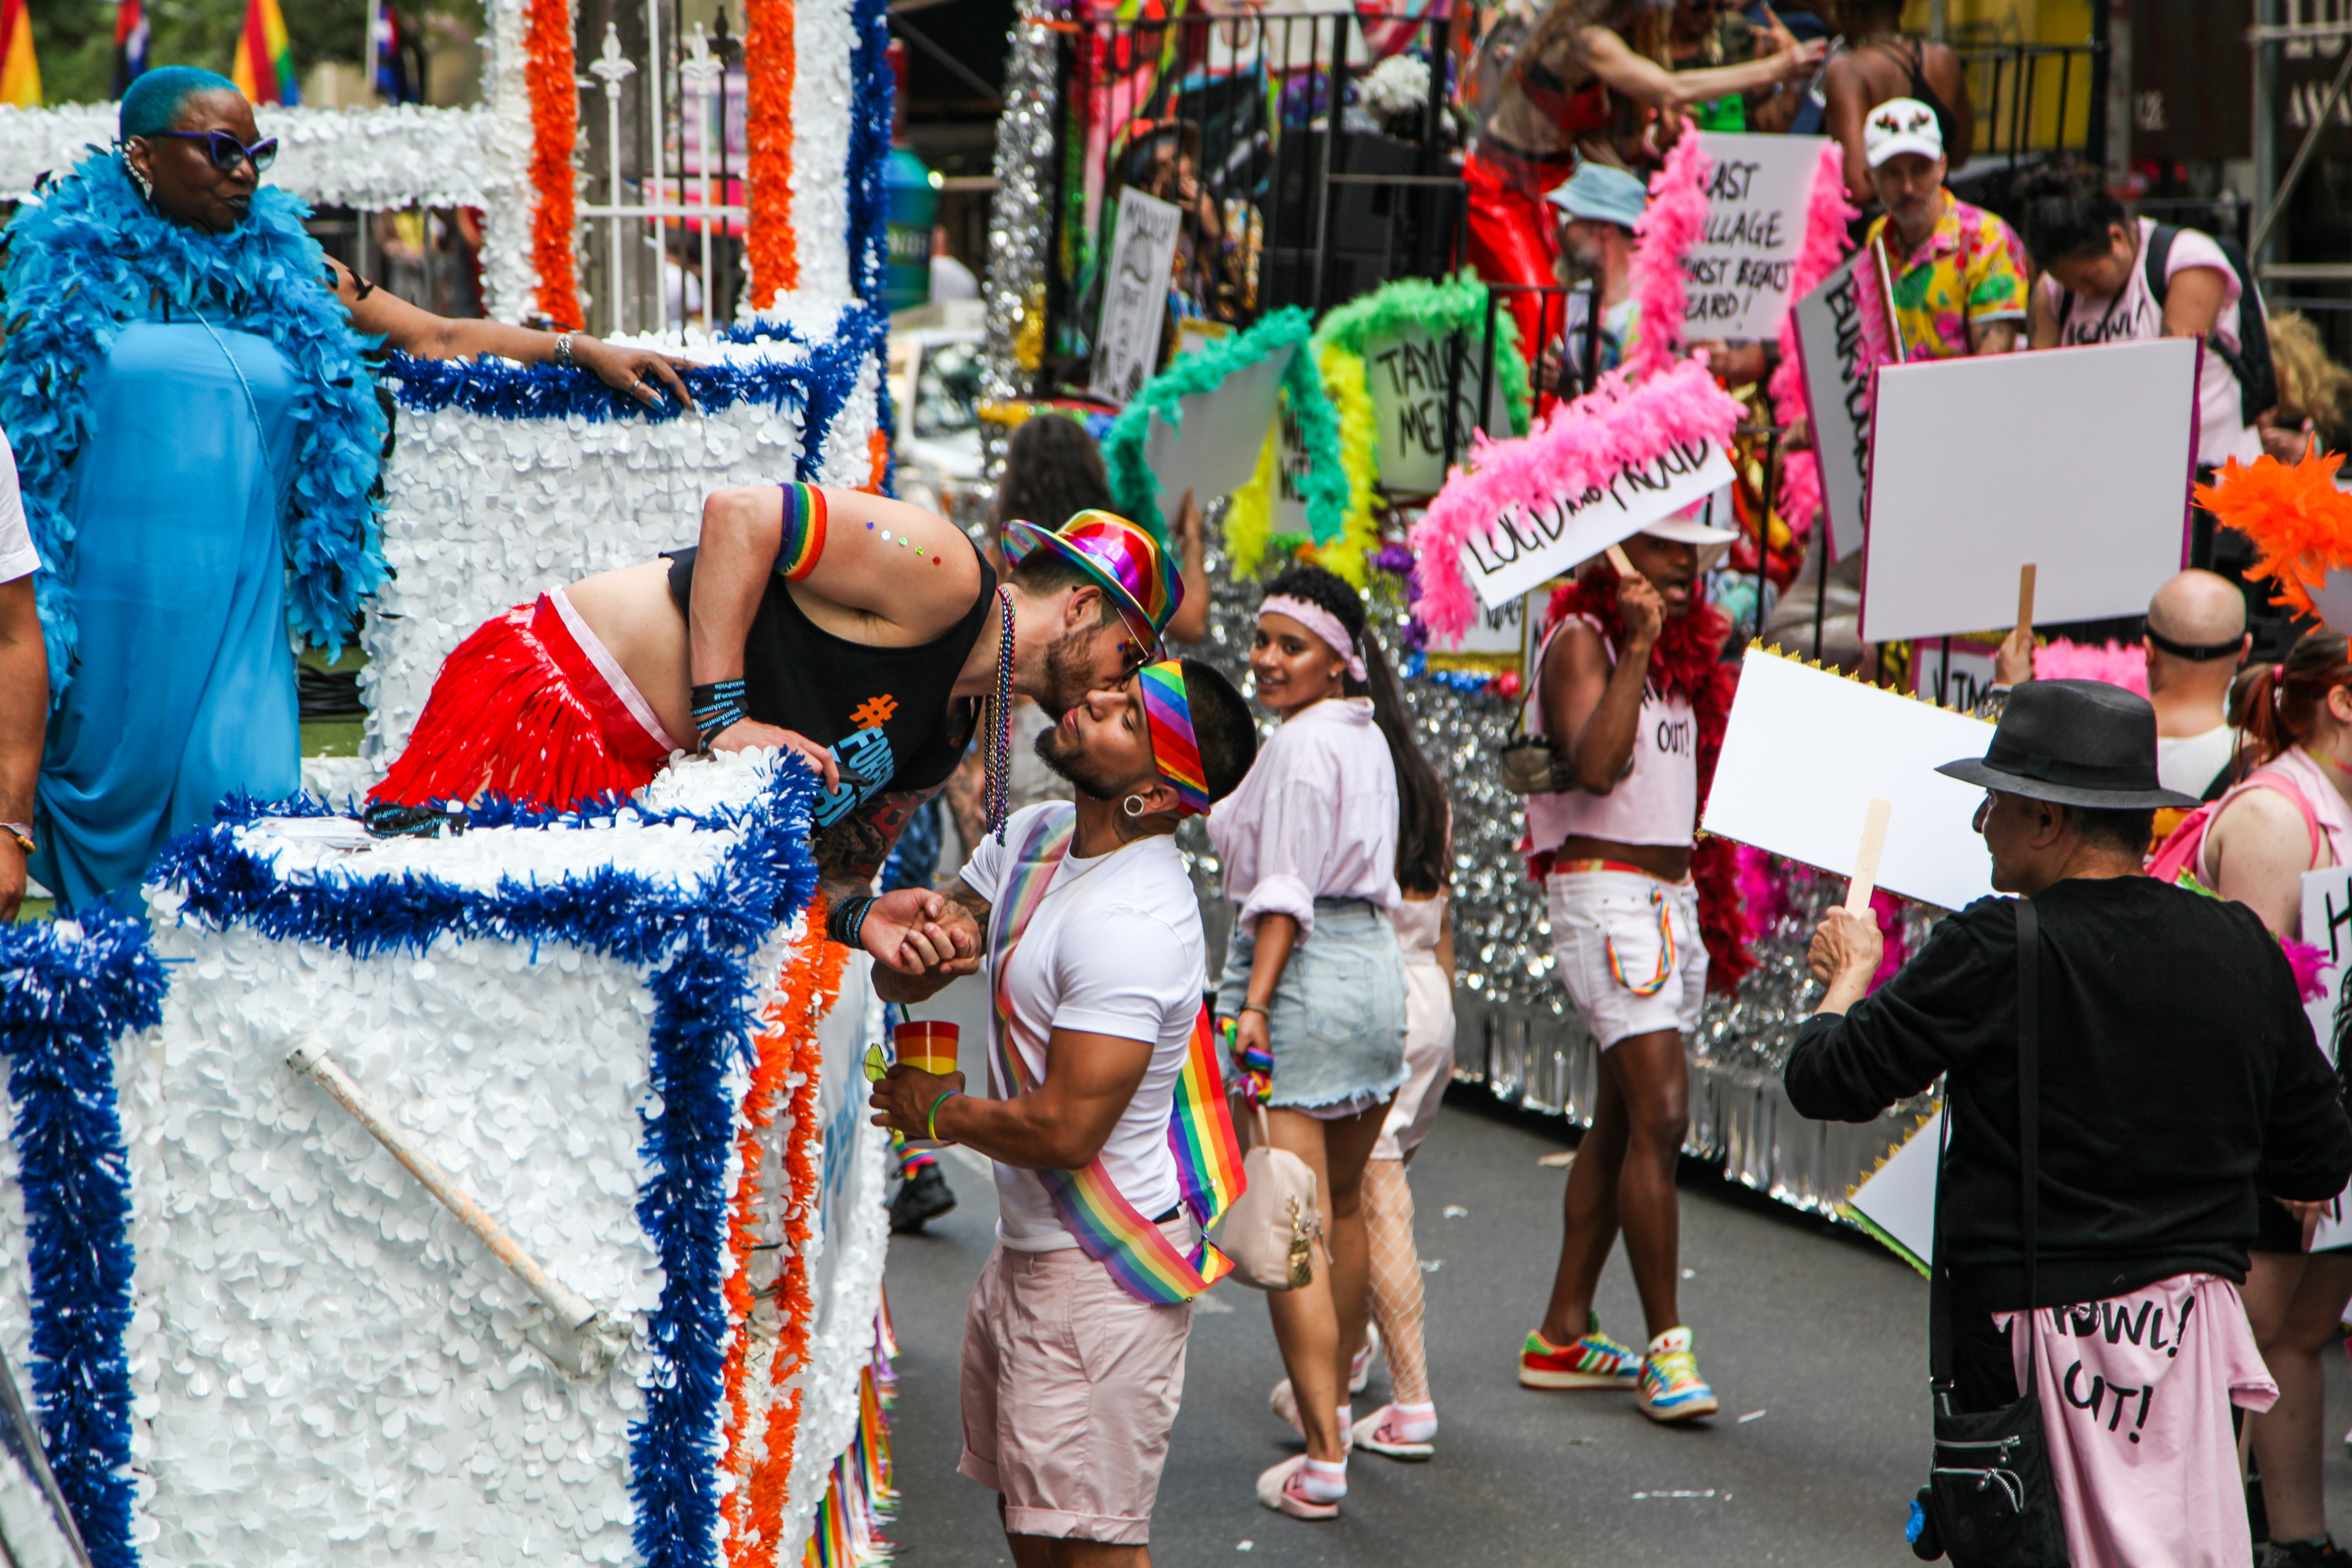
[{"x": 225, "y": 150}]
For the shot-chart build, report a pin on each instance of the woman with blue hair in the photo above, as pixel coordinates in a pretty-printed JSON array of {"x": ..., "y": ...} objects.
[{"x": 187, "y": 383}]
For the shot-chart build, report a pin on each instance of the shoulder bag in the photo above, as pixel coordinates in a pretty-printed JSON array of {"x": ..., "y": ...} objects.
[
  {"x": 1269, "y": 1231},
  {"x": 1989, "y": 1502}
]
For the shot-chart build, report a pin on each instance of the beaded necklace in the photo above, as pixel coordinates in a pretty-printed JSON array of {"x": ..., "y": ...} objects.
[{"x": 996, "y": 718}]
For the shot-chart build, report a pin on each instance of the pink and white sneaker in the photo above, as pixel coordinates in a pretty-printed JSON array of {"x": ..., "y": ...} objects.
[
  {"x": 1383, "y": 1432},
  {"x": 1283, "y": 1489}
]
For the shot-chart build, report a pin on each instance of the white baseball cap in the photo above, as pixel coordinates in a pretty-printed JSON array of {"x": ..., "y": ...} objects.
[{"x": 1901, "y": 125}]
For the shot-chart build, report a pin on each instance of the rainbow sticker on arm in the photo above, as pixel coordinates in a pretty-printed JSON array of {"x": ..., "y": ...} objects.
[
  {"x": 803, "y": 540},
  {"x": 1173, "y": 747}
]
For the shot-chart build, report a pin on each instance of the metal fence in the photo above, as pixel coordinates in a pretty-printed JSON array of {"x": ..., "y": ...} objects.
[
  {"x": 2032, "y": 100},
  {"x": 1257, "y": 127}
]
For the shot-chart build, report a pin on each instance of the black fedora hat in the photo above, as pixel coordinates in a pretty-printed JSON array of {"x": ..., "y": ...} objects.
[{"x": 2076, "y": 742}]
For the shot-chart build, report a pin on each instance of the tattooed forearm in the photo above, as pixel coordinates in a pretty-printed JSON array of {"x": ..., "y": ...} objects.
[{"x": 849, "y": 854}]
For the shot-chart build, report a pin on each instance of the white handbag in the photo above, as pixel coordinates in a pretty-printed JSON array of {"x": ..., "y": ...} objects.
[{"x": 1272, "y": 1229}]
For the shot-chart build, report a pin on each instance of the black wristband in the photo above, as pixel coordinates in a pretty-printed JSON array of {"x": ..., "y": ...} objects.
[
  {"x": 846, "y": 919},
  {"x": 717, "y": 706}
]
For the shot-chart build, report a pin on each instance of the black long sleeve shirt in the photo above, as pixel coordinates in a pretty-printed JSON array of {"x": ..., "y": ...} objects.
[{"x": 2178, "y": 1078}]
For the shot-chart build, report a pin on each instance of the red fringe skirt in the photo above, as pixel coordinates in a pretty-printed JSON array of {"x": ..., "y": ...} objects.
[{"x": 520, "y": 710}]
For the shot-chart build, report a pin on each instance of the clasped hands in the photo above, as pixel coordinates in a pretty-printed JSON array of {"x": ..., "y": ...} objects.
[{"x": 916, "y": 931}]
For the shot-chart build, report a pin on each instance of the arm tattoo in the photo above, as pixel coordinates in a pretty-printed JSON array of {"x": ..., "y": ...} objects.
[{"x": 850, "y": 853}]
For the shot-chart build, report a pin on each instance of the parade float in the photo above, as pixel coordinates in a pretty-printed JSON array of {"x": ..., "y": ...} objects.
[{"x": 503, "y": 1197}]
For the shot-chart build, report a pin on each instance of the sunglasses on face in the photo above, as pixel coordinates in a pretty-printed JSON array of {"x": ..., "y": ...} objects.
[{"x": 225, "y": 150}]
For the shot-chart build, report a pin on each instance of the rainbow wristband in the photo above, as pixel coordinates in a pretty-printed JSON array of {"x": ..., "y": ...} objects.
[
  {"x": 932, "y": 1120},
  {"x": 802, "y": 541}
]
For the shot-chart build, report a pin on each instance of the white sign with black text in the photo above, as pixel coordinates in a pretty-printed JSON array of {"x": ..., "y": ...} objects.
[
  {"x": 1410, "y": 377},
  {"x": 1736, "y": 277},
  {"x": 1833, "y": 348},
  {"x": 1540, "y": 542},
  {"x": 2327, "y": 925},
  {"x": 1134, "y": 295}
]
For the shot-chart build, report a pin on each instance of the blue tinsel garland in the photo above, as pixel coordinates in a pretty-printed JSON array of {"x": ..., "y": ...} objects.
[
  {"x": 68, "y": 990},
  {"x": 873, "y": 90},
  {"x": 89, "y": 257},
  {"x": 698, "y": 944}
]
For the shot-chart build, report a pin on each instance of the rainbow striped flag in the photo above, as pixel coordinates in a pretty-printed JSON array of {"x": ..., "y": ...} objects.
[
  {"x": 264, "y": 67},
  {"x": 20, "y": 72}
]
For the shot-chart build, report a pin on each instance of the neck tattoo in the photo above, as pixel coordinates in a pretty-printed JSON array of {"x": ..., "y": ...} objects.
[{"x": 996, "y": 723}]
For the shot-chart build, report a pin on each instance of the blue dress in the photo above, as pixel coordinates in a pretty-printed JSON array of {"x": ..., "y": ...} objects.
[{"x": 184, "y": 688}]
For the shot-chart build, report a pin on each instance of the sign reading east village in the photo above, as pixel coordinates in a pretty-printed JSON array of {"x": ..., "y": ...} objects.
[
  {"x": 1538, "y": 544},
  {"x": 1737, "y": 275},
  {"x": 1837, "y": 349},
  {"x": 1412, "y": 376},
  {"x": 1134, "y": 295}
]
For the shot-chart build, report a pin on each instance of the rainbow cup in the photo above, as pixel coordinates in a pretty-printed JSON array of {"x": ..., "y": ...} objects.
[{"x": 927, "y": 1045}]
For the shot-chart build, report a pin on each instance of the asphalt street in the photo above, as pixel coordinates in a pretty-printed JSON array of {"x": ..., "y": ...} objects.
[{"x": 1815, "y": 1341}]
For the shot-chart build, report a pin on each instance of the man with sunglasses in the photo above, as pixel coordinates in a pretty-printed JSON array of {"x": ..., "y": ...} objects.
[
  {"x": 1103, "y": 1096},
  {"x": 2177, "y": 1078},
  {"x": 859, "y": 632}
]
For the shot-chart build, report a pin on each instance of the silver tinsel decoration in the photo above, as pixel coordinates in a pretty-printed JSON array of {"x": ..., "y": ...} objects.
[{"x": 1021, "y": 222}]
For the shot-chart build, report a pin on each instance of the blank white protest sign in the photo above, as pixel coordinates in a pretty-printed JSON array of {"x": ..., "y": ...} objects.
[
  {"x": 2077, "y": 460},
  {"x": 1213, "y": 449},
  {"x": 1807, "y": 750}
]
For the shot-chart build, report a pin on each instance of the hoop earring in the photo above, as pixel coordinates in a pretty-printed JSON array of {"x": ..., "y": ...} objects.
[{"x": 1133, "y": 805}]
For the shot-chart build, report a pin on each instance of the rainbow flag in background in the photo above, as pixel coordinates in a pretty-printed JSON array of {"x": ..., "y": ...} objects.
[
  {"x": 130, "y": 44},
  {"x": 264, "y": 67},
  {"x": 20, "y": 73}
]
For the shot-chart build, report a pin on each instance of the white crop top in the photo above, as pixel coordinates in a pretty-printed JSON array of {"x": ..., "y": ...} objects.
[{"x": 1657, "y": 803}]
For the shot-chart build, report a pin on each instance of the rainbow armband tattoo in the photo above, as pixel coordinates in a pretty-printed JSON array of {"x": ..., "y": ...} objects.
[{"x": 802, "y": 541}]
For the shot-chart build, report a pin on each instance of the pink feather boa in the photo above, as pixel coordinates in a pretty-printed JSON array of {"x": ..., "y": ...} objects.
[
  {"x": 2110, "y": 662},
  {"x": 1672, "y": 224},
  {"x": 1571, "y": 449},
  {"x": 1826, "y": 220}
]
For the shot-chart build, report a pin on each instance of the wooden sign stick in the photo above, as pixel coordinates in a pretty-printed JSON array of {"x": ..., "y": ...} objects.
[
  {"x": 1865, "y": 859},
  {"x": 2025, "y": 597},
  {"x": 1618, "y": 558}
]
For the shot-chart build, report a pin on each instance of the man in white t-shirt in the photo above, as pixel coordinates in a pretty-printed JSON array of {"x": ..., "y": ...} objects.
[
  {"x": 1071, "y": 1375},
  {"x": 2095, "y": 290},
  {"x": 2196, "y": 642},
  {"x": 24, "y": 687}
]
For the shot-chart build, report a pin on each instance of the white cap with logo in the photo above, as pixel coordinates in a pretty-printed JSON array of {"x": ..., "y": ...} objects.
[{"x": 1901, "y": 125}]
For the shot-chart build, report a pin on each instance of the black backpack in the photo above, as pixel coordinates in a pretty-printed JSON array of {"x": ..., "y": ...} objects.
[{"x": 2258, "y": 388}]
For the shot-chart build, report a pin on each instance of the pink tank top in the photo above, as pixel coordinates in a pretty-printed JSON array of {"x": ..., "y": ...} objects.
[
  {"x": 1657, "y": 803},
  {"x": 2323, "y": 806}
]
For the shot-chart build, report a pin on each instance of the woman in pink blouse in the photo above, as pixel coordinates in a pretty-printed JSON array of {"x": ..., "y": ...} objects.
[{"x": 1313, "y": 975}]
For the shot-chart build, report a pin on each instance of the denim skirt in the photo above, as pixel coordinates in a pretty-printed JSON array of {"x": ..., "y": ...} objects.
[{"x": 1336, "y": 1019}]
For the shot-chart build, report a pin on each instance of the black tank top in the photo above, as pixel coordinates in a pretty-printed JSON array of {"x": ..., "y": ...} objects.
[{"x": 886, "y": 711}]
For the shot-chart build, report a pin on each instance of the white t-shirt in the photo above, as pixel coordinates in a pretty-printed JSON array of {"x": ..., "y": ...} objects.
[
  {"x": 2222, "y": 429},
  {"x": 17, "y": 556},
  {"x": 2190, "y": 763},
  {"x": 1115, "y": 948}
]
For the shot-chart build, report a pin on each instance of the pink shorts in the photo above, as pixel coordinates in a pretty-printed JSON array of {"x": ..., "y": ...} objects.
[{"x": 1070, "y": 1386}]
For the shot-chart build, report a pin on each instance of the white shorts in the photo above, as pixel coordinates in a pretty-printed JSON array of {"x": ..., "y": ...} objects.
[{"x": 1629, "y": 949}]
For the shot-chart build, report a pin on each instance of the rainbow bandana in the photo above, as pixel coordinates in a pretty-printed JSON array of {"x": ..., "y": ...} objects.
[
  {"x": 1174, "y": 748},
  {"x": 1199, "y": 1126}
]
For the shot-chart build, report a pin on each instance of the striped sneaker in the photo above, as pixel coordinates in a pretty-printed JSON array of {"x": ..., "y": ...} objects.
[
  {"x": 1671, "y": 1388},
  {"x": 1596, "y": 1360}
]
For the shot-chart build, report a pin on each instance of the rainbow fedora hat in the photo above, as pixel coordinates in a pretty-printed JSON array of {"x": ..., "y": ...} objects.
[{"x": 1128, "y": 563}]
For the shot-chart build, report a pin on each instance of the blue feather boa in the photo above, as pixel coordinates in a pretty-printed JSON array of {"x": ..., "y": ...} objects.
[
  {"x": 68, "y": 991},
  {"x": 696, "y": 942},
  {"x": 90, "y": 257}
]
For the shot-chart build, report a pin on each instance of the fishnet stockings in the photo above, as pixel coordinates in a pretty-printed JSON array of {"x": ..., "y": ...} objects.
[{"x": 1396, "y": 1278}]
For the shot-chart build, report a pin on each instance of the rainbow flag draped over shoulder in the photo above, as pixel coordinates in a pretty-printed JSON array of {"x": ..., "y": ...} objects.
[
  {"x": 1200, "y": 1125},
  {"x": 264, "y": 67},
  {"x": 20, "y": 72}
]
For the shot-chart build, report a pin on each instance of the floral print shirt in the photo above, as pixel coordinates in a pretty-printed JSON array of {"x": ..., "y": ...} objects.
[{"x": 1972, "y": 269}]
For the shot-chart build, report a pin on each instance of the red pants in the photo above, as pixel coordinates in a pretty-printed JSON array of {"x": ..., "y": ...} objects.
[
  {"x": 1513, "y": 239},
  {"x": 521, "y": 709}
]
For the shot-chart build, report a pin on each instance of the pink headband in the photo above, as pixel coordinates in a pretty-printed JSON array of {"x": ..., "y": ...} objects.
[{"x": 1322, "y": 623}]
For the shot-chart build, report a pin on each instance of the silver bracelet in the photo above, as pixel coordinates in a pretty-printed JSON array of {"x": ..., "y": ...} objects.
[{"x": 563, "y": 350}]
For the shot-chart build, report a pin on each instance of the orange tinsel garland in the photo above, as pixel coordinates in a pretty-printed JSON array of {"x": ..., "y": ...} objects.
[
  {"x": 787, "y": 1044},
  {"x": 770, "y": 64},
  {"x": 2297, "y": 517},
  {"x": 554, "y": 86}
]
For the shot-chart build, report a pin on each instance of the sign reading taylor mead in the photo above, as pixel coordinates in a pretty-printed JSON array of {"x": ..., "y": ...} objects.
[
  {"x": 1410, "y": 376},
  {"x": 1540, "y": 542},
  {"x": 1134, "y": 294},
  {"x": 1757, "y": 199},
  {"x": 1836, "y": 343}
]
